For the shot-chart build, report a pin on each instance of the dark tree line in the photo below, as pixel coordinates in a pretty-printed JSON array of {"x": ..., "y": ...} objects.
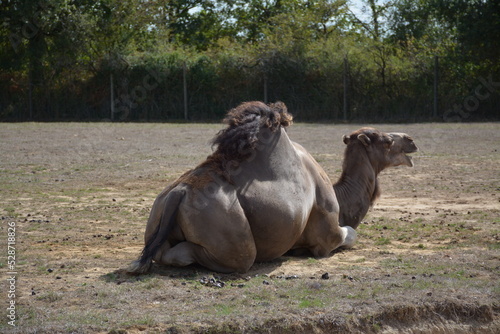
[{"x": 139, "y": 60}]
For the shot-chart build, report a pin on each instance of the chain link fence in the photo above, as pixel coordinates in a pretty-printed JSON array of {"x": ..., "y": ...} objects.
[{"x": 203, "y": 89}]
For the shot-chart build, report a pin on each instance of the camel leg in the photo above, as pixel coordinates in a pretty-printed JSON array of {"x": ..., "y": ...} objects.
[
  {"x": 323, "y": 235},
  {"x": 186, "y": 253},
  {"x": 349, "y": 237},
  {"x": 180, "y": 255}
]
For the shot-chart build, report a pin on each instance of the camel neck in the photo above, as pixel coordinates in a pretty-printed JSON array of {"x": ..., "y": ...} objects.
[{"x": 356, "y": 190}]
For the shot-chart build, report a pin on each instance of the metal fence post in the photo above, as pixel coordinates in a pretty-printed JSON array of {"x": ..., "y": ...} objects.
[
  {"x": 346, "y": 98},
  {"x": 265, "y": 88},
  {"x": 184, "y": 82},
  {"x": 436, "y": 86},
  {"x": 112, "y": 97}
]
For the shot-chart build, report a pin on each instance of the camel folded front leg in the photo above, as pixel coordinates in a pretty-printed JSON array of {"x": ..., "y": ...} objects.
[
  {"x": 323, "y": 235},
  {"x": 347, "y": 240},
  {"x": 349, "y": 237}
]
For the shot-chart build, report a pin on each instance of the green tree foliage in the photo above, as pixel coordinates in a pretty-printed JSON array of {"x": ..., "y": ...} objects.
[
  {"x": 58, "y": 57},
  {"x": 463, "y": 33}
]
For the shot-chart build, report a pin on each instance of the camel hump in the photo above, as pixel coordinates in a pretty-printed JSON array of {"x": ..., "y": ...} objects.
[{"x": 238, "y": 141}]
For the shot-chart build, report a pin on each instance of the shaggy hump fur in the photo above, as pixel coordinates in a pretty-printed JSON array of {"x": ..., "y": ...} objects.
[{"x": 237, "y": 142}]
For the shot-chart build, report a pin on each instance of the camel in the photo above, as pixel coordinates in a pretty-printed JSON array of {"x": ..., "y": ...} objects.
[
  {"x": 368, "y": 152},
  {"x": 256, "y": 197}
]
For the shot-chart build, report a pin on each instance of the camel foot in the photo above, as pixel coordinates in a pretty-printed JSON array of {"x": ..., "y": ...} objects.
[{"x": 348, "y": 236}]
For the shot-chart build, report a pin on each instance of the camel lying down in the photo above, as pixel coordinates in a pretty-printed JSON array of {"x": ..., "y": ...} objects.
[{"x": 260, "y": 195}]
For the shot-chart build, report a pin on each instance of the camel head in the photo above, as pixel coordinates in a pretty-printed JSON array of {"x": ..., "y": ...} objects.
[
  {"x": 383, "y": 149},
  {"x": 368, "y": 152},
  {"x": 401, "y": 145}
]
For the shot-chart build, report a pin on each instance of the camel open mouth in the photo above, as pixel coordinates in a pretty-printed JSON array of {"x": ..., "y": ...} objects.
[{"x": 409, "y": 159}]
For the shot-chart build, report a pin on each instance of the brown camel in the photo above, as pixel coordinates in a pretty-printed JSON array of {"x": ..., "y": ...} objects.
[
  {"x": 368, "y": 152},
  {"x": 256, "y": 197}
]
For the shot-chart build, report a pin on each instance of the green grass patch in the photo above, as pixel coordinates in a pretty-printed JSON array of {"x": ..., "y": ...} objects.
[
  {"x": 382, "y": 241},
  {"x": 223, "y": 309},
  {"x": 11, "y": 211},
  {"x": 50, "y": 297},
  {"x": 310, "y": 302},
  {"x": 494, "y": 246}
]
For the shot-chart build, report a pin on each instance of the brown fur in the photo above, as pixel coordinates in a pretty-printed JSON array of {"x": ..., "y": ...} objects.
[
  {"x": 279, "y": 200},
  {"x": 236, "y": 142},
  {"x": 355, "y": 147},
  {"x": 367, "y": 153}
]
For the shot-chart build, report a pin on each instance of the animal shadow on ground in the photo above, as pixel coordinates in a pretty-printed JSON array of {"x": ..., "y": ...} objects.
[{"x": 192, "y": 272}]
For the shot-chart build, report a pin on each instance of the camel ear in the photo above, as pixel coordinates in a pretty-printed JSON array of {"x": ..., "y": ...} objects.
[
  {"x": 364, "y": 139},
  {"x": 346, "y": 139}
]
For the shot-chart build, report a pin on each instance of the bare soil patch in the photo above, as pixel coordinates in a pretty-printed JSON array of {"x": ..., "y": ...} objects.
[{"x": 427, "y": 259}]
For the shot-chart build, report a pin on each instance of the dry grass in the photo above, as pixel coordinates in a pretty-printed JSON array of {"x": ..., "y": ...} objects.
[{"x": 427, "y": 257}]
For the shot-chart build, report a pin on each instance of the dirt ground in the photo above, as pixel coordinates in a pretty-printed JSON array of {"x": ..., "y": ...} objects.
[{"x": 79, "y": 194}]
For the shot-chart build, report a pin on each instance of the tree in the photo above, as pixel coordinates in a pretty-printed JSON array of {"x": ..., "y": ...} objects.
[
  {"x": 375, "y": 30},
  {"x": 463, "y": 33},
  {"x": 45, "y": 40}
]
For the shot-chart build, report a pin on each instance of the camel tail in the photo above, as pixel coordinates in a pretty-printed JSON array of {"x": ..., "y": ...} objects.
[{"x": 167, "y": 223}]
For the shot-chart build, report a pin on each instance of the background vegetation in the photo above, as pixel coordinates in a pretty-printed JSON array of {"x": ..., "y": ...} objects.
[{"x": 60, "y": 58}]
